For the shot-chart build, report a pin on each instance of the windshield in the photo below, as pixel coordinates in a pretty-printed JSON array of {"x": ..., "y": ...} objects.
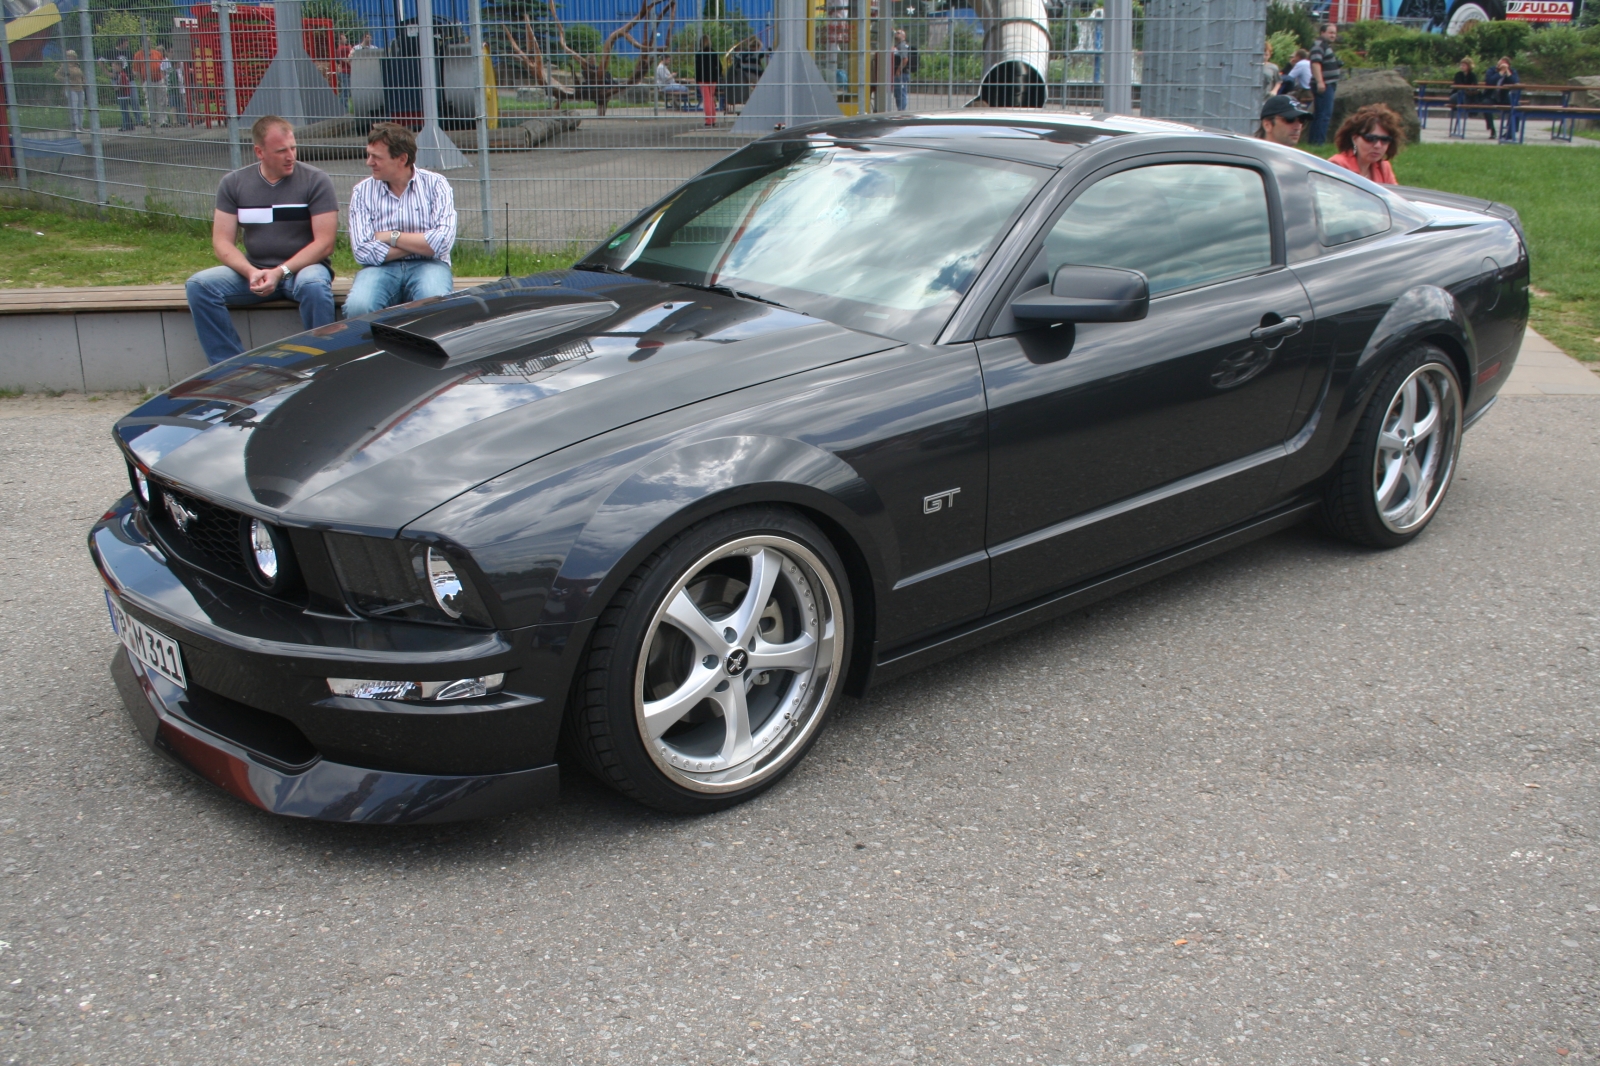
[{"x": 878, "y": 238}]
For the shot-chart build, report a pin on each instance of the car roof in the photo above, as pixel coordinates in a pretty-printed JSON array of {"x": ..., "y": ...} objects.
[{"x": 1023, "y": 135}]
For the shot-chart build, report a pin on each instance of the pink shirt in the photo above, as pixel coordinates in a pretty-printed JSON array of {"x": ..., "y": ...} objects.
[{"x": 1382, "y": 172}]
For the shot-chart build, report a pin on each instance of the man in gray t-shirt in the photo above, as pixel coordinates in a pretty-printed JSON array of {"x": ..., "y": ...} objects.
[{"x": 290, "y": 215}]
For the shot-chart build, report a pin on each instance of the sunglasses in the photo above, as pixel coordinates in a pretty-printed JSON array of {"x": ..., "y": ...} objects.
[{"x": 1376, "y": 138}]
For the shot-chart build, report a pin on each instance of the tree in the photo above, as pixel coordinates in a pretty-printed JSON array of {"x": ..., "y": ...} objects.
[{"x": 596, "y": 83}]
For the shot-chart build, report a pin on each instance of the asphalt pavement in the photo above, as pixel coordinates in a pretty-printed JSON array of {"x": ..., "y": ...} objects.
[{"x": 1300, "y": 804}]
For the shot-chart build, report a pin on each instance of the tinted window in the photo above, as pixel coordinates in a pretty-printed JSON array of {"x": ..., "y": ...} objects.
[
  {"x": 1180, "y": 224},
  {"x": 877, "y": 237},
  {"x": 1346, "y": 213}
]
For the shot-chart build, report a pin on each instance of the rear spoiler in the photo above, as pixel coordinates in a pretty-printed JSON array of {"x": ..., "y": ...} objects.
[{"x": 1463, "y": 203}]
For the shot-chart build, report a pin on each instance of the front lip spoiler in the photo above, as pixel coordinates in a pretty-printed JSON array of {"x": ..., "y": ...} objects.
[{"x": 325, "y": 791}]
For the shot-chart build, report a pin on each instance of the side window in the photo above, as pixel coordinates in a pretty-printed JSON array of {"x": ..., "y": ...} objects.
[
  {"x": 1181, "y": 224},
  {"x": 1346, "y": 213}
]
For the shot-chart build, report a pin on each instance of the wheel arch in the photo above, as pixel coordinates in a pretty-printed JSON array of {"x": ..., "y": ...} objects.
[
  {"x": 1425, "y": 314},
  {"x": 694, "y": 482}
]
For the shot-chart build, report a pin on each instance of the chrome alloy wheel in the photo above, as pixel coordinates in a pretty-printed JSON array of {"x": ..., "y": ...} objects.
[
  {"x": 738, "y": 660},
  {"x": 1416, "y": 451}
]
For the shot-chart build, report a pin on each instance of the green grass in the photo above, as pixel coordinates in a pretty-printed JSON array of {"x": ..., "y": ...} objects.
[
  {"x": 1552, "y": 189},
  {"x": 45, "y": 248}
]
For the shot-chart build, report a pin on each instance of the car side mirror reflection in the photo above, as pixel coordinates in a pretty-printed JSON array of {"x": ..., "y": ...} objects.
[{"x": 1086, "y": 294}]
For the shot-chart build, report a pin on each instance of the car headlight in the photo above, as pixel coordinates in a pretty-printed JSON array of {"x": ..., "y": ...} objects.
[
  {"x": 406, "y": 579},
  {"x": 267, "y": 555}
]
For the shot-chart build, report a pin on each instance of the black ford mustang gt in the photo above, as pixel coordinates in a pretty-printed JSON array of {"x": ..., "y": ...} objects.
[{"x": 861, "y": 396}]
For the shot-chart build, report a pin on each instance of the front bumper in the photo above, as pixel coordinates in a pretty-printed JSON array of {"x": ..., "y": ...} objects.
[
  {"x": 325, "y": 791},
  {"x": 257, "y": 718}
]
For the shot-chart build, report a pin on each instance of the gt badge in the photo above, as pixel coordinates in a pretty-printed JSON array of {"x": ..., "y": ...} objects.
[{"x": 939, "y": 501}]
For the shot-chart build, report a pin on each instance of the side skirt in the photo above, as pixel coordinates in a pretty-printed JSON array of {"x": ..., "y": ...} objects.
[{"x": 902, "y": 661}]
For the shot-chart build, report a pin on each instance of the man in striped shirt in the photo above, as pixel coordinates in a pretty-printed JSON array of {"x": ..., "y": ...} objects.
[
  {"x": 289, "y": 215},
  {"x": 402, "y": 224}
]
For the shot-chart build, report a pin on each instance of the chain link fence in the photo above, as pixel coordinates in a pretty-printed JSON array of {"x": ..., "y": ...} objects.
[{"x": 557, "y": 120}]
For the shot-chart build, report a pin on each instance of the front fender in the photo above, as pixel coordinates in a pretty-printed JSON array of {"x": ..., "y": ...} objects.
[
  {"x": 699, "y": 479},
  {"x": 1425, "y": 313}
]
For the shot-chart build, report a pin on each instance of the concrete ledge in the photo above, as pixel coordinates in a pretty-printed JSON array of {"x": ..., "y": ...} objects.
[{"x": 115, "y": 337}]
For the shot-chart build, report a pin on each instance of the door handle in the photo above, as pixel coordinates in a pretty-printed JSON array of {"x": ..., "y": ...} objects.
[{"x": 1287, "y": 328}]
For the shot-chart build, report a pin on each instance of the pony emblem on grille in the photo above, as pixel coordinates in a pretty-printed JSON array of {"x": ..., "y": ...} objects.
[{"x": 181, "y": 515}]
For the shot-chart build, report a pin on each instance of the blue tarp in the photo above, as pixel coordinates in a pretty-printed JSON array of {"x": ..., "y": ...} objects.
[{"x": 603, "y": 15}]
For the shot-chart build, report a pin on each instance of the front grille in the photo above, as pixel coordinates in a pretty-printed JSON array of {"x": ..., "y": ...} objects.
[{"x": 207, "y": 535}]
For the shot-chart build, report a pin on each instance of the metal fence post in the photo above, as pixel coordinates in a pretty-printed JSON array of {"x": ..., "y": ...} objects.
[
  {"x": 230, "y": 95},
  {"x": 1119, "y": 57},
  {"x": 92, "y": 89},
  {"x": 19, "y": 157},
  {"x": 885, "y": 56},
  {"x": 479, "y": 58}
]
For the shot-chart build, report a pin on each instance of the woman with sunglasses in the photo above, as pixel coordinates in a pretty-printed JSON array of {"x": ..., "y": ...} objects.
[{"x": 1367, "y": 141}]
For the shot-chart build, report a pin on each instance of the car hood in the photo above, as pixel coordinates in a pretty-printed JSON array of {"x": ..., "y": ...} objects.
[{"x": 366, "y": 425}]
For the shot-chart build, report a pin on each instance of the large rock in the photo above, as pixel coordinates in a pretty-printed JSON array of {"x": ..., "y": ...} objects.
[
  {"x": 1590, "y": 98},
  {"x": 1363, "y": 87}
]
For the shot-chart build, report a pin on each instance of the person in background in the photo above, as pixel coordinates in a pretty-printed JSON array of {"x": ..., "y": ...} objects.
[
  {"x": 1282, "y": 121},
  {"x": 290, "y": 216},
  {"x": 1462, "y": 94},
  {"x": 901, "y": 55},
  {"x": 122, "y": 86},
  {"x": 1501, "y": 76},
  {"x": 75, "y": 84},
  {"x": 1298, "y": 80},
  {"x": 341, "y": 69},
  {"x": 1367, "y": 140},
  {"x": 402, "y": 226},
  {"x": 707, "y": 72},
  {"x": 674, "y": 92},
  {"x": 1326, "y": 70},
  {"x": 147, "y": 72},
  {"x": 1271, "y": 76}
]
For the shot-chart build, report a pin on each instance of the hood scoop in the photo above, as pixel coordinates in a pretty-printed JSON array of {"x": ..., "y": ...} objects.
[{"x": 466, "y": 327}]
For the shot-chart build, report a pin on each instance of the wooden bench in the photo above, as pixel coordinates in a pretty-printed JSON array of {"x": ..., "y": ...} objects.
[
  {"x": 125, "y": 298},
  {"x": 123, "y": 336},
  {"x": 1562, "y": 114}
]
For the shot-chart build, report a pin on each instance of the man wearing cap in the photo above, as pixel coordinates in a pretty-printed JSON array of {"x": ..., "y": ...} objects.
[{"x": 1282, "y": 120}]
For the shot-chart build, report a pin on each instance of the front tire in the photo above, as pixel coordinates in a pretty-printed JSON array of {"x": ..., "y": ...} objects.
[
  {"x": 1399, "y": 465},
  {"x": 712, "y": 672}
]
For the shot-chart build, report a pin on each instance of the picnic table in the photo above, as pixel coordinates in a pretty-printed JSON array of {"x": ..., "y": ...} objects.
[{"x": 1550, "y": 101}]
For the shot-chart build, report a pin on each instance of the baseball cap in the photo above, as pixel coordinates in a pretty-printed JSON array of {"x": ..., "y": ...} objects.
[{"x": 1283, "y": 106}]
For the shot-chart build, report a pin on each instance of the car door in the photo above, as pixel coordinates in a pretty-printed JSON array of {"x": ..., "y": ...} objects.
[{"x": 1111, "y": 441}]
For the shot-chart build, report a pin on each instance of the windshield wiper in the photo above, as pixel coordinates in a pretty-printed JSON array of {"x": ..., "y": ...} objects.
[
  {"x": 601, "y": 268},
  {"x": 724, "y": 290}
]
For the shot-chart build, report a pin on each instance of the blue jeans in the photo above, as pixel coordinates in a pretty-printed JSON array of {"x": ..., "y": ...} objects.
[
  {"x": 211, "y": 292},
  {"x": 1323, "y": 102},
  {"x": 902, "y": 83},
  {"x": 400, "y": 282}
]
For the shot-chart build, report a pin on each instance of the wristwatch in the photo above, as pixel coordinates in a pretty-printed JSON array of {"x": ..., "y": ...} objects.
[
  {"x": 287, "y": 270},
  {"x": 394, "y": 238}
]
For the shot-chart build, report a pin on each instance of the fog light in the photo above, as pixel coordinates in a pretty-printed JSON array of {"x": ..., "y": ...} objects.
[{"x": 424, "y": 691}]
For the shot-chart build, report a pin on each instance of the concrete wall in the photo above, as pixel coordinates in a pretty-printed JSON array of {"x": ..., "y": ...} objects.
[{"x": 94, "y": 351}]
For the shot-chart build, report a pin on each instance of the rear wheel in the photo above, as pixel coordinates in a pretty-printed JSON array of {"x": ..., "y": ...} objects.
[
  {"x": 712, "y": 672},
  {"x": 1401, "y": 461}
]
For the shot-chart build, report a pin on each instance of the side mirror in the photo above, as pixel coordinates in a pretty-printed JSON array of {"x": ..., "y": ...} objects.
[{"x": 1086, "y": 294}]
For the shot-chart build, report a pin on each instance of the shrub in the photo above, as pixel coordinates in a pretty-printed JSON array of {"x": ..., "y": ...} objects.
[
  {"x": 1292, "y": 18},
  {"x": 1283, "y": 44},
  {"x": 1491, "y": 40},
  {"x": 1559, "y": 53}
]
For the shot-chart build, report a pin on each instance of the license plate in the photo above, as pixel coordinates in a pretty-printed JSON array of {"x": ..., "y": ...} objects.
[{"x": 150, "y": 648}]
